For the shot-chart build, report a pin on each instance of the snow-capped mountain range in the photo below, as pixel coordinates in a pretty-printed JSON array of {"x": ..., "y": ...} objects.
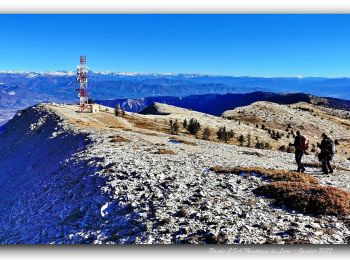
[{"x": 20, "y": 89}]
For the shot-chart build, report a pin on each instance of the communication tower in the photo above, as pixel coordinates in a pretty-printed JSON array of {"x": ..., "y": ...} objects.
[{"x": 82, "y": 71}]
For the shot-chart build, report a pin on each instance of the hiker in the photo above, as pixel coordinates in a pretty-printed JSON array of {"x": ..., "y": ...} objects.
[
  {"x": 301, "y": 145},
  {"x": 327, "y": 148}
]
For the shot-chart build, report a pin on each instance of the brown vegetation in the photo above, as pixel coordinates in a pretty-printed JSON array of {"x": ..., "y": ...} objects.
[
  {"x": 119, "y": 139},
  {"x": 108, "y": 120},
  {"x": 307, "y": 198},
  {"x": 164, "y": 151},
  {"x": 270, "y": 174},
  {"x": 253, "y": 153},
  {"x": 146, "y": 123}
]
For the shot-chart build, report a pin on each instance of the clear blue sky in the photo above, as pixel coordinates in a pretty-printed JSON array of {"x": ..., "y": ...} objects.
[{"x": 253, "y": 45}]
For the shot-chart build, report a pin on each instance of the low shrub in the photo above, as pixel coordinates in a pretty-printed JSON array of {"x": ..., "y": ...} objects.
[
  {"x": 164, "y": 151},
  {"x": 253, "y": 153},
  {"x": 270, "y": 174},
  {"x": 119, "y": 139},
  {"x": 307, "y": 198},
  {"x": 282, "y": 148},
  {"x": 174, "y": 127},
  {"x": 206, "y": 133}
]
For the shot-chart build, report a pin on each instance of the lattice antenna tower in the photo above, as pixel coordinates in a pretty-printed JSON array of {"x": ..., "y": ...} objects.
[{"x": 82, "y": 71}]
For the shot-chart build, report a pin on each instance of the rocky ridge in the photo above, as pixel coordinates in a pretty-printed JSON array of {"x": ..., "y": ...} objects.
[{"x": 102, "y": 182}]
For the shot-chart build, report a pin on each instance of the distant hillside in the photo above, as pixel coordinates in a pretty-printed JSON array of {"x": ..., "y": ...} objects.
[
  {"x": 216, "y": 104},
  {"x": 20, "y": 90},
  {"x": 311, "y": 120}
]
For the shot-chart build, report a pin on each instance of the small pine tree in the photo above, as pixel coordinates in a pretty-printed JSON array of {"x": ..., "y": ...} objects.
[
  {"x": 185, "y": 123},
  {"x": 206, "y": 133},
  {"x": 231, "y": 134},
  {"x": 278, "y": 136},
  {"x": 259, "y": 145},
  {"x": 221, "y": 133},
  {"x": 174, "y": 127},
  {"x": 241, "y": 139},
  {"x": 225, "y": 135},
  {"x": 117, "y": 110},
  {"x": 193, "y": 126},
  {"x": 122, "y": 113}
]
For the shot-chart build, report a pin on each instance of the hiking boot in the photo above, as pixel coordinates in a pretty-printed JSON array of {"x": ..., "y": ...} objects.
[
  {"x": 303, "y": 170},
  {"x": 331, "y": 171}
]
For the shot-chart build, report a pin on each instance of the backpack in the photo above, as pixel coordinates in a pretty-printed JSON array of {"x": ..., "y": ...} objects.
[
  {"x": 330, "y": 146},
  {"x": 304, "y": 143}
]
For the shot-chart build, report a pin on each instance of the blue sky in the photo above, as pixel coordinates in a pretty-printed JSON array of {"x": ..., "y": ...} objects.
[{"x": 252, "y": 45}]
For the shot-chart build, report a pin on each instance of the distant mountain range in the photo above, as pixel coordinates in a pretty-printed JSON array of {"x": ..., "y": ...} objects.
[
  {"x": 61, "y": 85},
  {"x": 216, "y": 104},
  {"x": 22, "y": 89}
]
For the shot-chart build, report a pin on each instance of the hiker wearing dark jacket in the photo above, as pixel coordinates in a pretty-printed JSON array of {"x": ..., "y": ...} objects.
[
  {"x": 326, "y": 154},
  {"x": 298, "y": 152}
]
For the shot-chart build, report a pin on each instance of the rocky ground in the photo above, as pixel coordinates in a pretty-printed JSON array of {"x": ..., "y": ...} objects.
[{"x": 108, "y": 182}]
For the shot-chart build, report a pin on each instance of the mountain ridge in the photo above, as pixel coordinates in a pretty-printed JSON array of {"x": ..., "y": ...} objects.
[
  {"x": 32, "y": 88},
  {"x": 216, "y": 104},
  {"x": 103, "y": 179}
]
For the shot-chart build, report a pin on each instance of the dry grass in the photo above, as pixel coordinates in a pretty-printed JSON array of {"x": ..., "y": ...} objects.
[
  {"x": 164, "y": 151},
  {"x": 307, "y": 198},
  {"x": 176, "y": 139},
  {"x": 109, "y": 120},
  {"x": 119, "y": 139},
  {"x": 146, "y": 133},
  {"x": 146, "y": 123},
  {"x": 270, "y": 174},
  {"x": 83, "y": 123},
  {"x": 253, "y": 153}
]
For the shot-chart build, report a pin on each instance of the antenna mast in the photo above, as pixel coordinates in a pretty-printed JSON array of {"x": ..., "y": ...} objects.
[{"x": 82, "y": 71}]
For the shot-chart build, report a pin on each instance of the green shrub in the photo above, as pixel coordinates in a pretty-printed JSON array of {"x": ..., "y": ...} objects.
[{"x": 193, "y": 126}]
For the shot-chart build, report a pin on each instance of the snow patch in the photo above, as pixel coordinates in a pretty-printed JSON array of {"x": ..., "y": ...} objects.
[{"x": 104, "y": 208}]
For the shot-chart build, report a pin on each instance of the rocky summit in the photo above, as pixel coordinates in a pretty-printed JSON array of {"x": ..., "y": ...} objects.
[{"x": 73, "y": 178}]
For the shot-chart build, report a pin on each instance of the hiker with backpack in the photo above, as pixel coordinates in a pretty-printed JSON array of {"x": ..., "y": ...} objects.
[
  {"x": 301, "y": 144},
  {"x": 328, "y": 150}
]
